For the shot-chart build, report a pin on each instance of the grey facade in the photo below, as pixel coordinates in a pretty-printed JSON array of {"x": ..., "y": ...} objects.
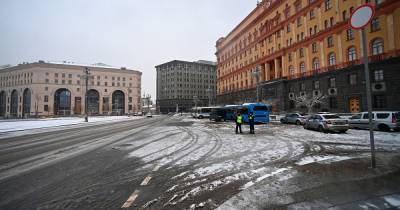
[
  {"x": 344, "y": 89},
  {"x": 185, "y": 84}
]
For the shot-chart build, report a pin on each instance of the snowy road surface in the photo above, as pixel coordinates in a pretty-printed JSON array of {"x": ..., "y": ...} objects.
[{"x": 177, "y": 163}]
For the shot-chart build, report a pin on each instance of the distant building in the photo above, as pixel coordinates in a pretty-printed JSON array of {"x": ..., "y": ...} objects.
[
  {"x": 308, "y": 47},
  {"x": 182, "y": 85},
  {"x": 58, "y": 89}
]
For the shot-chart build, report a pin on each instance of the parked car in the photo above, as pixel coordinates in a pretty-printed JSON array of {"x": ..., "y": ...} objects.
[
  {"x": 295, "y": 118},
  {"x": 327, "y": 122},
  {"x": 382, "y": 120},
  {"x": 149, "y": 115}
]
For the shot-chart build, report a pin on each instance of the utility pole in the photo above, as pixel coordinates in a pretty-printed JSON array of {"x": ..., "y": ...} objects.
[
  {"x": 86, "y": 93},
  {"x": 256, "y": 73}
]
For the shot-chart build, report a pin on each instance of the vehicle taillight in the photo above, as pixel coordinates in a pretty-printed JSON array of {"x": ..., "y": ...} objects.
[{"x": 394, "y": 120}]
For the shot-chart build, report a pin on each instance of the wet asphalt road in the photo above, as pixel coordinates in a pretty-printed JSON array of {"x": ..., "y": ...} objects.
[{"x": 90, "y": 167}]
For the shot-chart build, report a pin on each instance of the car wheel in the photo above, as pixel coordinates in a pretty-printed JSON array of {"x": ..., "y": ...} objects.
[
  {"x": 321, "y": 129},
  {"x": 383, "y": 127},
  {"x": 305, "y": 127},
  {"x": 282, "y": 121},
  {"x": 200, "y": 117},
  {"x": 298, "y": 122}
]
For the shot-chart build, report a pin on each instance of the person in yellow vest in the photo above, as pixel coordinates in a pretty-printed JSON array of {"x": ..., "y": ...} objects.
[{"x": 239, "y": 121}]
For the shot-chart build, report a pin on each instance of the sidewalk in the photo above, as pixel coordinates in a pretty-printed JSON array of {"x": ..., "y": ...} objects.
[{"x": 348, "y": 184}]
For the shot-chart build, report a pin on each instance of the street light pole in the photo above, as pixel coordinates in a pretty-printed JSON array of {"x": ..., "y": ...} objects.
[
  {"x": 256, "y": 73},
  {"x": 86, "y": 93}
]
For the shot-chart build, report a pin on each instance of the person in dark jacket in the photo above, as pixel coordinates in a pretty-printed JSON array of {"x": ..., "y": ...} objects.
[
  {"x": 239, "y": 121},
  {"x": 251, "y": 123}
]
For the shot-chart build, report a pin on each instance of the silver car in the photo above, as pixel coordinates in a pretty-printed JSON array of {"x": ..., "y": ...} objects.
[
  {"x": 327, "y": 122},
  {"x": 382, "y": 120},
  {"x": 294, "y": 118}
]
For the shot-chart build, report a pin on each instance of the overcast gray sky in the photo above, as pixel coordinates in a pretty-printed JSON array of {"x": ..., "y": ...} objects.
[{"x": 137, "y": 34}]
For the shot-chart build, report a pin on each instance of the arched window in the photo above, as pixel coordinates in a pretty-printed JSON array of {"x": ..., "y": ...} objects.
[
  {"x": 302, "y": 67},
  {"x": 315, "y": 63},
  {"x": 377, "y": 46},
  {"x": 332, "y": 59},
  {"x": 291, "y": 70},
  {"x": 351, "y": 54}
]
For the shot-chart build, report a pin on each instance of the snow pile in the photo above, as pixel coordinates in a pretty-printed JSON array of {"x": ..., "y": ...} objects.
[{"x": 9, "y": 126}]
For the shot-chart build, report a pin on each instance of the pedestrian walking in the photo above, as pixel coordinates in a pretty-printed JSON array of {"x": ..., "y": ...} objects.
[
  {"x": 251, "y": 123},
  {"x": 239, "y": 121}
]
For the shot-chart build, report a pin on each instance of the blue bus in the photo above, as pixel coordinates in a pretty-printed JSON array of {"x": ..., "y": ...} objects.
[{"x": 260, "y": 112}]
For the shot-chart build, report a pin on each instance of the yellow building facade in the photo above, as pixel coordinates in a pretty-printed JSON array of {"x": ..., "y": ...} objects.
[{"x": 292, "y": 39}]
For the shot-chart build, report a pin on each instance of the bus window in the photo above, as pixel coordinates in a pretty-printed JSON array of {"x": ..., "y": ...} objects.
[{"x": 260, "y": 108}]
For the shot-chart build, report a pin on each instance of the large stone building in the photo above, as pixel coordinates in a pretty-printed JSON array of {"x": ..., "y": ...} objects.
[
  {"x": 182, "y": 85},
  {"x": 48, "y": 89},
  {"x": 308, "y": 47}
]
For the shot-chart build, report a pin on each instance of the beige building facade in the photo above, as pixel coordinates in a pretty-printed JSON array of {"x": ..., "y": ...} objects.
[{"x": 58, "y": 89}]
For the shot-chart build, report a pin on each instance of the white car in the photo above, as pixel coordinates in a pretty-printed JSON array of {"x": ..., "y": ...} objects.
[
  {"x": 327, "y": 122},
  {"x": 382, "y": 120}
]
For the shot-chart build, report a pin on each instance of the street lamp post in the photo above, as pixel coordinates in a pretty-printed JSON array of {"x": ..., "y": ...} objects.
[
  {"x": 256, "y": 73},
  {"x": 86, "y": 93}
]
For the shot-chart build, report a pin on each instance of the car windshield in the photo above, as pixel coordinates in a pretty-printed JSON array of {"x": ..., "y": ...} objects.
[{"x": 331, "y": 116}]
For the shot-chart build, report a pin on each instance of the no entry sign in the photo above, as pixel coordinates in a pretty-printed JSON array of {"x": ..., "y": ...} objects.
[{"x": 362, "y": 16}]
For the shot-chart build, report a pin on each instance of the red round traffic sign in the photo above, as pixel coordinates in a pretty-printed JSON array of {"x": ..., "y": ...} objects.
[{"x": 362, "y": 16}]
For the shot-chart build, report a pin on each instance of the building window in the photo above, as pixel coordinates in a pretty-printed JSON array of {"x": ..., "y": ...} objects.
[
  {"x": 56, "y": 81},
  {"x": 302, "y": 67},
  {"x": 332, "y": 82},
  {"x": 302, "y": 86},
  {"x": 47, "y": 80},
  {"x": 299, "y": 21},
  {"x": 326, "y": 23},
  {"x": 46, "y": 88},
  {"x": 333, "y": 103},
  {"x": 46, "y": 108},
  {"x": 288, "y": 28},
  {"x": 69, "y": 75},
  {"x": 315, "y": 63},
  {"x": 332, "y": 21},
  {"x": 290, "y": 57},
  {"x": 328, "y": 4},
  {"x": 316, "y": 85},
  {"x": 312, "y": 14},
  {"x": 350, "y": 34},
  {"x": 351, "y": 54},
  {"x": 63, "y": 75},
  {"x": 377, "y": 46},
  {"x": 332, "y": 59},
  {"x": 375, "y": 26},
  {"x": 330, "y": 41},
  {"x": 78, "y": 82},
  {"x": 301, "y": 52},
  {"x": 378, "y": 75},
  {"x": 379, "y": 101},
  {"x": 70, "y": 82},
  {"x": 46, "y": 98},
  {"x": 353, "y": 79},
  {"x": 55, "y": 74},
  {"x": 344, "y": 15},
  {"x": 105, "y": 83},
  {"x": 291, "y": 70},
  {"x": 314, "y": 47}
]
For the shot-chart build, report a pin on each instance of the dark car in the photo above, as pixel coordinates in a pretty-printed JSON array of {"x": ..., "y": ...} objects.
[
  {"x": 218, "y": 114},
  {"x": 294, "y": 118}
]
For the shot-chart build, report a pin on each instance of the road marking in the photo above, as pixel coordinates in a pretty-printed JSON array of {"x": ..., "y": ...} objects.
[
  {"x": 146, "y": 181},
  {"x": 156, "y": 168},
  {"x": 131, "y": 199}
]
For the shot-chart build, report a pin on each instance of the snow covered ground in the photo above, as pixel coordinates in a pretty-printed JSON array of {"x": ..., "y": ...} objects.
[
  {"x": 215, "y": 156},
  {"x": 18, "y": 125}
]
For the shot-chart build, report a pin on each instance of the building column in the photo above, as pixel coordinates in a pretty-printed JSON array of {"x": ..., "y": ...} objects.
[
  {"x": 277, "y": 68},
  {"x": 340, "y": 50},
  {"x": 390, "y": 32},
  {"x": 284, "y": 69},
  {"x": 267, "y": 70},
  {"x": 322, "y": 50}
]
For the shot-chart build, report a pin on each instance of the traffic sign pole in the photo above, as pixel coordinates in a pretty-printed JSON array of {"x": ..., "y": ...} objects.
[
  {"x": 369, "y": 101},
  {"x": 360, "y": 18}
]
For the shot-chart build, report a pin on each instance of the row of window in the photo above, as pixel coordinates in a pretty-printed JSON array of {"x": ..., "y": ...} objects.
[{"x": 91, "y": 77}]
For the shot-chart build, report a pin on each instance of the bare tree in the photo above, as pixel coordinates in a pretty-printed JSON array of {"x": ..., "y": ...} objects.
[{"x": 309, "y": 101}]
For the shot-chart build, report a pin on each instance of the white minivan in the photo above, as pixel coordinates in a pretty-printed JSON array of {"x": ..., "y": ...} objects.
[{"x": 382, "y": 120}]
